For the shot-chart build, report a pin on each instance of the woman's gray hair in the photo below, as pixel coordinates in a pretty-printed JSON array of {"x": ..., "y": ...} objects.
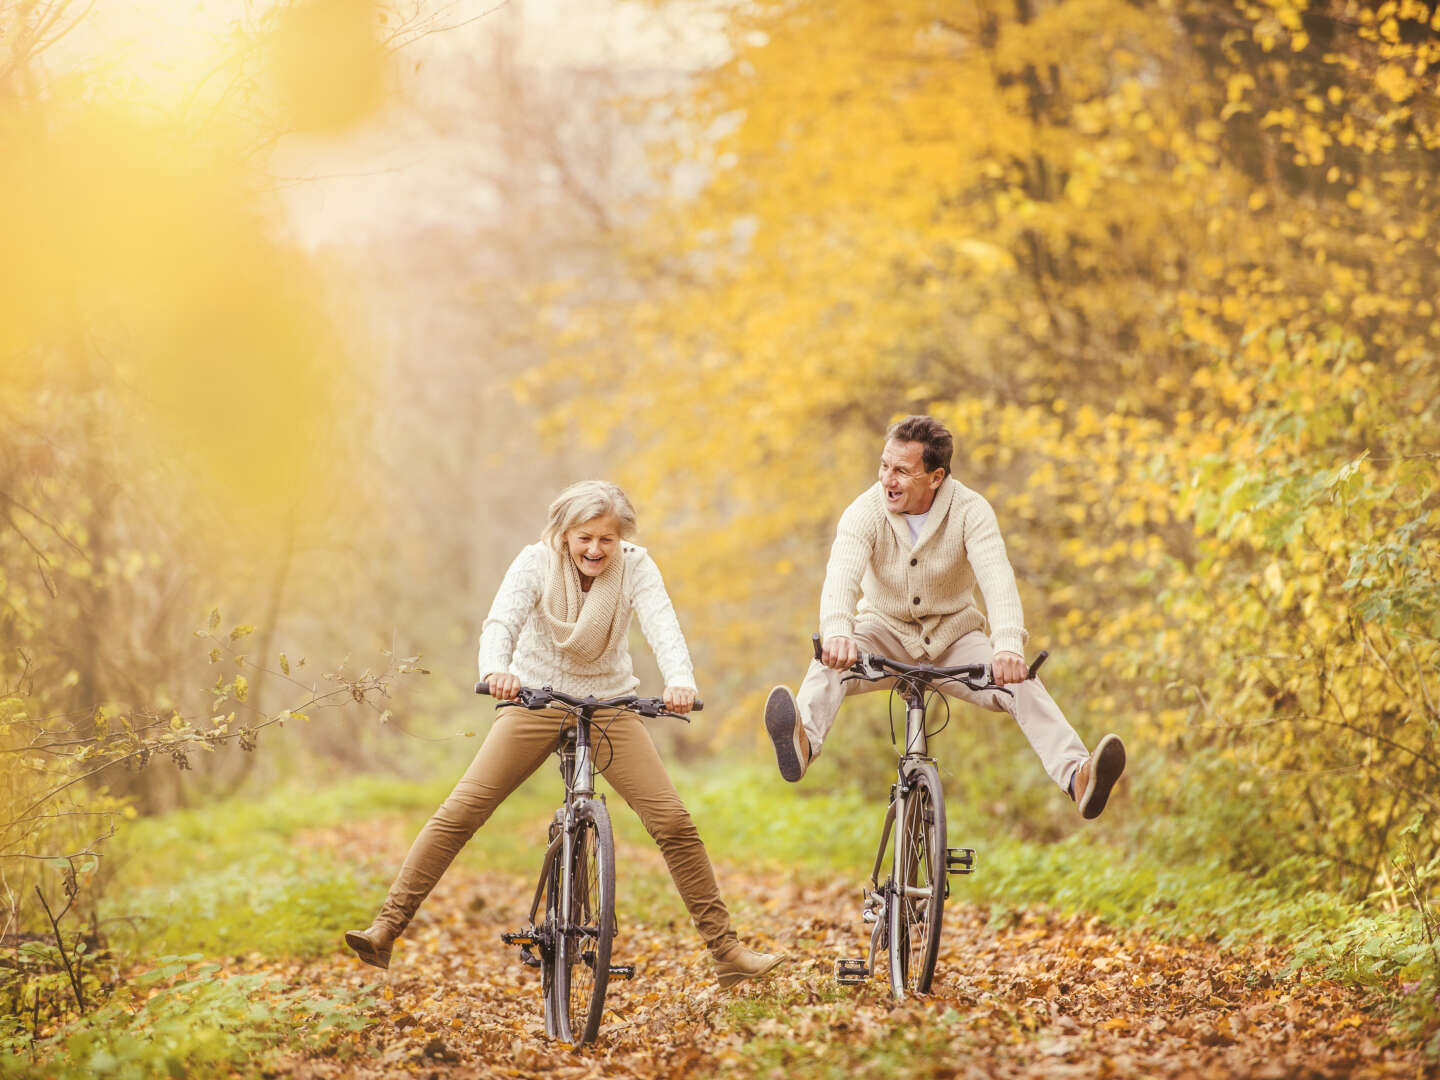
[{"x": 585, "y": 501}]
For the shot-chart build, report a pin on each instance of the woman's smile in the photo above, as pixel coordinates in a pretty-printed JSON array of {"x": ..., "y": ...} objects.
[{"x": 592, "y": 545}]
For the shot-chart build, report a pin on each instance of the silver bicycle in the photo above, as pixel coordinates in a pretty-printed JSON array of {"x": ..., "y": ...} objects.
[
  {"x": 576, "y": 932},
  {"x": 905, "y": 910}
]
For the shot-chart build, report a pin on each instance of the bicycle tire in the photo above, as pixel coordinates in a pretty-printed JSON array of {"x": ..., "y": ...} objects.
[
  {"x": 550, "y": 929},
  {"x": 919, "y": 868},
  {"x": 581, "y": 962}
]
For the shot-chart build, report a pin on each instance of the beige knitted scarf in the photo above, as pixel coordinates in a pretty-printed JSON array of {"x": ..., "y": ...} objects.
[{"x": 583, "y": 624}]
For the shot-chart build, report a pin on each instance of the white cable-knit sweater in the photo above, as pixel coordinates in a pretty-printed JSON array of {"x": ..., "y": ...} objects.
[
  {"x": 924, "y": 593},
  {"x": 515, "y": 639}
]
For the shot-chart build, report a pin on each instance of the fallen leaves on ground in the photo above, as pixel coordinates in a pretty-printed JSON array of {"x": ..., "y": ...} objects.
[{"x": 1036, "y": 994}]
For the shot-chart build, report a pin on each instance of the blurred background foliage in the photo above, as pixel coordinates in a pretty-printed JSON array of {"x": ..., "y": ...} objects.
[{"x": 308, "y": 308}]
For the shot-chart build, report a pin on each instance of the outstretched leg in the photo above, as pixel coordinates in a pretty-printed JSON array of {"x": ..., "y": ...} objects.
[
  {"x": 799, "y": 723},
  {"x": 1086, "y": 778},
  {"x": 517, "y": 743},
  {"x": 634, "y": 769}
]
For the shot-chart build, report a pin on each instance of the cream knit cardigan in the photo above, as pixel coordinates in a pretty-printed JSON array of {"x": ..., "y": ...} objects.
[
  {"x": 925, "y": 594},
  {"x": 516, "y": 639}
]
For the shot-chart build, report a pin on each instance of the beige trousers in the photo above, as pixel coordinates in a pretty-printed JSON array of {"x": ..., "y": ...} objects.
[
  {"x": 1040, "y": 719},
  {"x": 518, "y": 743}
]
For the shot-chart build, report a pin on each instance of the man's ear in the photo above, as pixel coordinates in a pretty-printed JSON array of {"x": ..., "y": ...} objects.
[{"x": 936, "y": 479}]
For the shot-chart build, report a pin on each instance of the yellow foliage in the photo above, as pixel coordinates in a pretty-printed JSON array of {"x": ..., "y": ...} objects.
[{"x": 1142, "y": 267}]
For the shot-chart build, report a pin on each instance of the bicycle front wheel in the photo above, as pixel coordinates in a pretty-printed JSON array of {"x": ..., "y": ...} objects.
[
  {"x": 581, "y": 959},
  {"x": 918, "y": 903}
]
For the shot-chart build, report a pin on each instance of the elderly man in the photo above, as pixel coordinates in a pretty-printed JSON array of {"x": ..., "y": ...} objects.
[{"x": 911, "y": 549}]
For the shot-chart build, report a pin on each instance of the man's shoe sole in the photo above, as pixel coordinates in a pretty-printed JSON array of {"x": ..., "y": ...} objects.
[
  {"x": 782, "y": 720},
  {"x": 1105, "y": 768}
]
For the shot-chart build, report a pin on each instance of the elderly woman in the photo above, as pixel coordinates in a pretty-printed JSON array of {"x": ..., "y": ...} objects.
[{"x": 561, "y": 619}]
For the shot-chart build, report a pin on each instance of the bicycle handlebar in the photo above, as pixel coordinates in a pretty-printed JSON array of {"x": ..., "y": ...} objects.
[
  {"x": 533, "y": 698},
  {"x": 874, "y": 666}
]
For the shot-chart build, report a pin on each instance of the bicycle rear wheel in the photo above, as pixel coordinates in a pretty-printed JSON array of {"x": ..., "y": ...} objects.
[
  {"x": 917, "y": 905},
  {"x": 581, "y": 961}
]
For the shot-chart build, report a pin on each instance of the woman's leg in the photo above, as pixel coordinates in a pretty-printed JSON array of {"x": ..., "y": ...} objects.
[
  {"x": 518, "y": 742},
  {"x": 635, "y": 770}
]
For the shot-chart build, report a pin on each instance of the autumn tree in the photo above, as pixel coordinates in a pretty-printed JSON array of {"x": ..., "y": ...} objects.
[{"x": 1167, "y": 270}]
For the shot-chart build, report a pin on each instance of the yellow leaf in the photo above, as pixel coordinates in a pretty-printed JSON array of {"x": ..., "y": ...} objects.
[
  {"x": 1274, "y": 582},
  {"x": 1394, "y": 83}
]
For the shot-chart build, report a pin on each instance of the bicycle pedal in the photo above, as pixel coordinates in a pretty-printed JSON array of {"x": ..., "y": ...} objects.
[
  {"x": 852, "y": 971},
  {"x": 622, "y": 971},
  {"x": 521, "y": 938},
  {"x": 960, "y": 860}
]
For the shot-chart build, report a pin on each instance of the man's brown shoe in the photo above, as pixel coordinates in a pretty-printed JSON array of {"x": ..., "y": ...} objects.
[
  {"x": 372, "y": 945},
  {"x": 1097, "y": 775},
  {"x": 739, "y": 963},
  {"x": 782, "y": 723}
]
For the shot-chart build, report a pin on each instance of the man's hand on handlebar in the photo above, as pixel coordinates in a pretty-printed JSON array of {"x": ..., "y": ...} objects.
[
  {"x": 679, "y": 699},
  {"x": 1008, "y": 667},
  {"x": 503, "y": 687},
  {"x": 839, "y": 652}
]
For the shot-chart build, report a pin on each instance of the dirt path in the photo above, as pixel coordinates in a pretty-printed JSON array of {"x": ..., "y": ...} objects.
[{"x": 1039, "y": 996}]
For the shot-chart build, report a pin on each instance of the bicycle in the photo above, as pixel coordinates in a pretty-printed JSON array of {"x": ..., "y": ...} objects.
[
  {"x": 906, "y": 912},
  {"x": 576, "y": 935}
]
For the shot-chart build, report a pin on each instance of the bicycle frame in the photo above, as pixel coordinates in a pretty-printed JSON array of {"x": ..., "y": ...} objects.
[
  {"x": 916, "y": 750},
  {"x": 577, "y": 770}
]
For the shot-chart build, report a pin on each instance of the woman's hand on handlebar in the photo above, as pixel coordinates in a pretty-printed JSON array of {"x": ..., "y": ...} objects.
[
  {"x": 839, "y": 652},
  {"x": 503, "y": 687},
  {"x": 1008, "y": 667},
  {"x": 679, "y": 699}
]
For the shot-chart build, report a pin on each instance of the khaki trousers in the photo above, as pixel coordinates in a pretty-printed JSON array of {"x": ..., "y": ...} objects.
[
  {"x": 518, "y": 743},
  {"x": 1040, "y": 719}
]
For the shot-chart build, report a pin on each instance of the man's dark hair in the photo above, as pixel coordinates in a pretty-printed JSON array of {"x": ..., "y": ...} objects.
[{"x": 931, "y": 434}]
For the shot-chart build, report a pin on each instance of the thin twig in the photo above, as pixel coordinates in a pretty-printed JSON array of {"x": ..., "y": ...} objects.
[{"x": 60, "y": 943}]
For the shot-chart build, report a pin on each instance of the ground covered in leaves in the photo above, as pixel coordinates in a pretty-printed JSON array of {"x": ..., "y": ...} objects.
[{"x": 1029, "y": 994}]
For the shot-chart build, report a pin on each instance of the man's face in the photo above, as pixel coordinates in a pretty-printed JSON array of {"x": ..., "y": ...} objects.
[{"x": 908, "y": 488}]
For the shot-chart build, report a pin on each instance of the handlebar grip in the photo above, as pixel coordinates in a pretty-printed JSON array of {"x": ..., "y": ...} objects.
[
  {"x": 1035, "y": 665},
  {"x": 815, "y": 641},
  {"x": 482, "y": 687},
  {"x": 699, "y": 706}
]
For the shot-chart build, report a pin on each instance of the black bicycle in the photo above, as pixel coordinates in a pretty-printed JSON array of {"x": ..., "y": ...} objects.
[
  {"x": 576, "y": 934},
  {"x": 907, "y": 909}
]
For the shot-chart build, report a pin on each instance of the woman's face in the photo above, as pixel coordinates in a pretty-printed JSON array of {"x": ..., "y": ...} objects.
[{"x": 594, "y": 543}]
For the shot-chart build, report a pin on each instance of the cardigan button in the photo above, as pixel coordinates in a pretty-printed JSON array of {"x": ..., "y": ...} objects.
[
  {"x": 916, "y": 600},
  {"x": 914, "y": 561},
  {"x": 927, "y": 639}
]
